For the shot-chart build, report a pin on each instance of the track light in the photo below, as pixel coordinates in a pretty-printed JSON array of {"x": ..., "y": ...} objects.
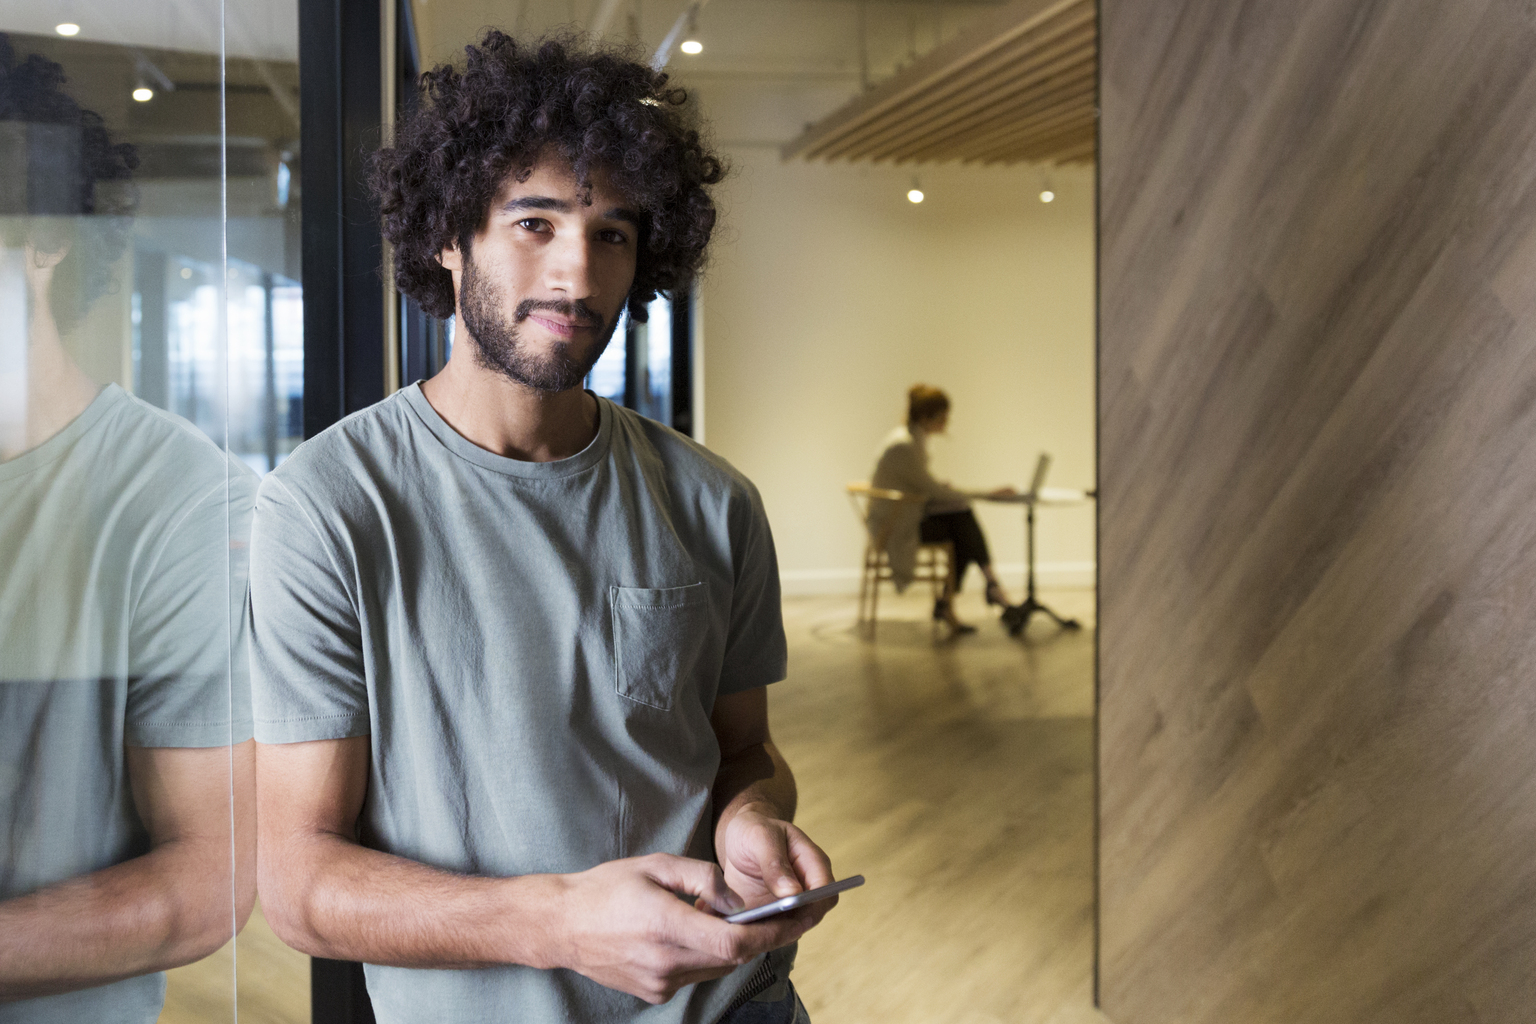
[
  {"x": 690, "y": 44},
  {"x": 915, "y": 193},
  {"x": 67, "y": 28},
  {"x": 148, "y": 80},
  {"x": 1047, "y": 196}
]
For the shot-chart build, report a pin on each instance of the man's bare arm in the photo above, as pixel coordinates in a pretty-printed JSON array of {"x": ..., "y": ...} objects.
[
  {"x": 618, "y": 923},
  {"x": 172, "y": 906},
  {"x": 763, "y": 855}
]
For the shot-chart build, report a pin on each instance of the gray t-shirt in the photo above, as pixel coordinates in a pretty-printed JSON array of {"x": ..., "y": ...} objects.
[
  {"x": 122, "y": 587},
  {"x": 534, "y": 650}
]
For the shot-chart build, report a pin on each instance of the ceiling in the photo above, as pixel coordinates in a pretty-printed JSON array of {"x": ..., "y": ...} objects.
[
  {"x": 769, "y": 67},
  {"x": 1017, "y": 86},
  {"x": 265, "y": 29}
]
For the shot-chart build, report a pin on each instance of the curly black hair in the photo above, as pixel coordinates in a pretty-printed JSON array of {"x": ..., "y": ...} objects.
[
  {"x": 599, "y": 109},
  {"x": 78, "y": 193}
]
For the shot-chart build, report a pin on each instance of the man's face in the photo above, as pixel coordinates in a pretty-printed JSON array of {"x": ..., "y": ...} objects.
[{"x": 547, "y": 276}]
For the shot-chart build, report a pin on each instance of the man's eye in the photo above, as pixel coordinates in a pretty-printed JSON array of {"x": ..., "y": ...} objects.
[
  {"x": 534, "y": 224},
  {"x": 616, "y": 237}
]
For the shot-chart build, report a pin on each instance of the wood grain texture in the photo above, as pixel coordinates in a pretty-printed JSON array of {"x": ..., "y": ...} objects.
[{"x": 1317, "y": 387}]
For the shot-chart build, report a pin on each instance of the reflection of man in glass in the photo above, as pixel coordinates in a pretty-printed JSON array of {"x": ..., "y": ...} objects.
[
  {"x": 120, "y": 760},
  {"x": 512, "y": 642}
]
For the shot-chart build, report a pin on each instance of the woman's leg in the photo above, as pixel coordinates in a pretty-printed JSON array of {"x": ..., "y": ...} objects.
[
  {"x": 975, "y": 543},
  {"x": 963, "y": 531},
  {"x": 939, "y": 529}
]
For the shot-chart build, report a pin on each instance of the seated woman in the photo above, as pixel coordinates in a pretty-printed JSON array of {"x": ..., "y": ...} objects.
[{"x": 944, "y": 514}]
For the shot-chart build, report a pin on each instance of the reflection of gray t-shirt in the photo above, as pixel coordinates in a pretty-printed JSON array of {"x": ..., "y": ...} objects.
[
  {"x": 533, "y": 649},
  {"x": 122, "y": 569}
]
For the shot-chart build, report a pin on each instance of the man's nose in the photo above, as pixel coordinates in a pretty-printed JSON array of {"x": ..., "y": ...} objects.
[{"x": 570, "y": 268}]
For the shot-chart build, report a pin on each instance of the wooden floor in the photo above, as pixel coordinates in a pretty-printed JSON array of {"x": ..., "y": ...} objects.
[{"x": 957, "y": 776}]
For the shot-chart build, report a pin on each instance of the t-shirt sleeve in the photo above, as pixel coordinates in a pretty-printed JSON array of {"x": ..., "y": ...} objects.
[
  {"x": 756, "y": 653},
  {"x": 187, "y": 679},
  {"x": 308, "y": 680}
]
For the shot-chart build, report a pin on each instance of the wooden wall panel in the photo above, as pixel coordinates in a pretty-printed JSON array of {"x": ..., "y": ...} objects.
[{"x": 1318, "y": 511}]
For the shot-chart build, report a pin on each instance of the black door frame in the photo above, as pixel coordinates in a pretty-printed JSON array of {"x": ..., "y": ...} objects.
[{"x": 340, "y": 75}]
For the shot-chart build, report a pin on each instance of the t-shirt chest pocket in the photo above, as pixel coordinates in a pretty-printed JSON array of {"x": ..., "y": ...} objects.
[{"x": 658, "y": 636}]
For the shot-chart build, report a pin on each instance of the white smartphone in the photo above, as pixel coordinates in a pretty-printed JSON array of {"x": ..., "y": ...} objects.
[{"x": 797, "y": 900}]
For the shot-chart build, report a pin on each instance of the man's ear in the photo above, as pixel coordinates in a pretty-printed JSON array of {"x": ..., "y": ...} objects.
[{"x": 450, "y": 257}]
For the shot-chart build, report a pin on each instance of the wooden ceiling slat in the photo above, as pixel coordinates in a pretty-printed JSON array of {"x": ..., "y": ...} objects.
[
  {"x": 1085, "y": 151},
  {"x": 1030, "y": 74},
  {"x": 1038, "y": 149},
  {"x": 1042, "y": 137},
  {"x": 903, "y": 146},
  {"x": 941, "y": 72},
  {"x": 1045, "y": 135},
  {"x": 1079, "y": 107},
  {"x": 1073, "y": 31},
  {"x": 1021, "y": 85},
  {"x": 1035, "y": 117},
  {"x": 997, "y": 118},
  {"x": 994, "y": 33}
]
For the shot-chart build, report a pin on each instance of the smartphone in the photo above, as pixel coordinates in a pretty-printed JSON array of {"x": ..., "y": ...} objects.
[{"x": 797, "y": 900}]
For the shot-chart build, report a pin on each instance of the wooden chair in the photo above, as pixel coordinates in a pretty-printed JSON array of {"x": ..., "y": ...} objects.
[{"x": 935, "y": 562}]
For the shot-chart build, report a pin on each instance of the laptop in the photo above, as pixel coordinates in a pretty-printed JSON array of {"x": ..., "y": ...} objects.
[{"x": 1041, "y": 468}]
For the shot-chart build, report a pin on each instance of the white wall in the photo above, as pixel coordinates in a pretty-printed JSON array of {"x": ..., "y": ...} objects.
[{"x": 830, "y": 294}]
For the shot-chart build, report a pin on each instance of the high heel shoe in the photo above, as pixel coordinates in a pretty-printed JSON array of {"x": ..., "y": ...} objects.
[
  {"x": 941, "y": 613},
  {"x": 995, "y": 595}
]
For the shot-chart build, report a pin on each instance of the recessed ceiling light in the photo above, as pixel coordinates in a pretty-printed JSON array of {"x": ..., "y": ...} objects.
[
  {"x": 692, "y": 47},
  {"x": 143, "y": 94},
  {"x": 1047, "y": 196},
  {"x": 67, "y": 28},
  {"x": 916, "y": 195},
  {"x": 186, "y": 273}
]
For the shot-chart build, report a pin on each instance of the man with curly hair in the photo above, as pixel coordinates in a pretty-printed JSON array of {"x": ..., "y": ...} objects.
[{"x": 511, "y": 642}]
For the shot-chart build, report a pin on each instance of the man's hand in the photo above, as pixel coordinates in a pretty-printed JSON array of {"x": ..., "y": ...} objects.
[
  {"x": 765, "y": 859},
  {"x": 625, "y": 927},
  {"x": 622, "y": 923}
]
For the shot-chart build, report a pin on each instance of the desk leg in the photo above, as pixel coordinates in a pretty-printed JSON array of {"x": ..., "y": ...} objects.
[{"x": 1017, "y": 618}]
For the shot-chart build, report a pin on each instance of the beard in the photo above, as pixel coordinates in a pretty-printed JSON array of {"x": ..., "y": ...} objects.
[{"x": 501, "y": 348}]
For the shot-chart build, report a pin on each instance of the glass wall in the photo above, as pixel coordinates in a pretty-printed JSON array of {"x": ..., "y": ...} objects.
[
  {"x": 652, "y": 362},
  {"x": 151, "y": 368},
  {"x": 639, "y": 365}
]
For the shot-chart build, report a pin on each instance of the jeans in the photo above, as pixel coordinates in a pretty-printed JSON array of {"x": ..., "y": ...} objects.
[{"x": 789, "y": 1010}]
